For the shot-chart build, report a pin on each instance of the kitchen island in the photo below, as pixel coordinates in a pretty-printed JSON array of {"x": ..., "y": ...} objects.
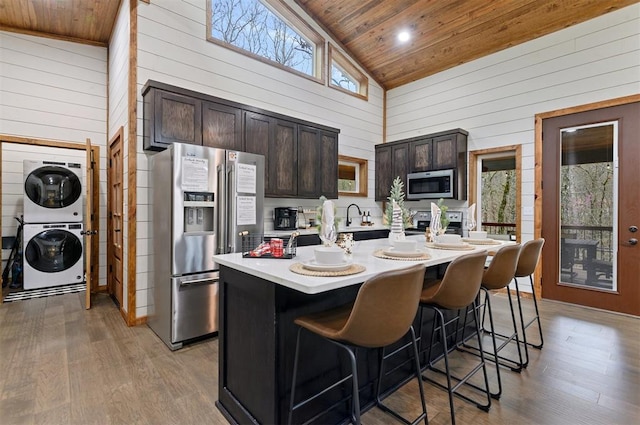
[{"x": 259, "y": 299}]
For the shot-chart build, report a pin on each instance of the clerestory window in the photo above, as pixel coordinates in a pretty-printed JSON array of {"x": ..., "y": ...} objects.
[
  {"x": 269, "y": 31},
  {"x": 345, "y": 76}
]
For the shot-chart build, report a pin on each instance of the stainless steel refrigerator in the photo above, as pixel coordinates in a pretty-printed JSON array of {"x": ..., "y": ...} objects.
[{"x": 202, "y": 198}]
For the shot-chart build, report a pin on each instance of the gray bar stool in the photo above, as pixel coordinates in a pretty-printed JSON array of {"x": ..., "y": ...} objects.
[
  {"x": 457, "y": 290},
  {"x": 381, "y": 315},
  {"x": 529, "y": 257}
]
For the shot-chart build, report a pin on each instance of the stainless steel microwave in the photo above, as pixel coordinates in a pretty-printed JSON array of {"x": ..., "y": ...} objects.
[{"x": 431, "y": 184}]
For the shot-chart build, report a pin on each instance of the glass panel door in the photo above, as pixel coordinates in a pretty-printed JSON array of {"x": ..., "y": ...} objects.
[{"x": 588, "y": 206}]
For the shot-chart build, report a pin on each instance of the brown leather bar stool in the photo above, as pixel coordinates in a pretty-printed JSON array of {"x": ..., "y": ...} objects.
[
  {"x": 382, "y": 314},
  {"x": 457, "y": 290},
  {"x": 497, "y": 276},
  {"x": 529, "y": 257}
]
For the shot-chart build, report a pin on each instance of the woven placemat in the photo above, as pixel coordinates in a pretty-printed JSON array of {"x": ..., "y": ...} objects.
[
  {"x": 450, "y": 248},
  {"x": 300, "y": 269},
  {"x": 380, "y": 254},
  {"x": 481, "y": 241}
]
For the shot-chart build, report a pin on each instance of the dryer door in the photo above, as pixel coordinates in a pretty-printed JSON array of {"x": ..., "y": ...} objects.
[
  {"x": 53, "y": 251},
  {"x": 53, "y": 187}
]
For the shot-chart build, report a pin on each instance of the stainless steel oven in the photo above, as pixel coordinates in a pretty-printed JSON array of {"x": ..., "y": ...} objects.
[{"x": 431, "y": 184}]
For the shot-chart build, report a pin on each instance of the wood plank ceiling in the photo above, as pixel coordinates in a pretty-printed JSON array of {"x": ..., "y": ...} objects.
[{"x": 445, "y": 33}]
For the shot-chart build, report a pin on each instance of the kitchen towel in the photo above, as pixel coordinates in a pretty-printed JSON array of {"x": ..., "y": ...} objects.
[
  {"x": 435, "y": 226},
  {"x": 471, "y": 217},
  {"x": 328, "y": 233}
]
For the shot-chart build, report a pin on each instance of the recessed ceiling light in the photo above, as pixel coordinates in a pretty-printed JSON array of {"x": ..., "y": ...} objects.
[{"x": 404, "y": 36}]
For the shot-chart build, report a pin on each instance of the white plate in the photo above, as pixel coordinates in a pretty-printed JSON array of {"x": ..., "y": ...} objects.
[
  {"x": 313, "y": 265},
  {"x": 392, "y": 252},
  {"x": 483, "y": 241},
  {"x": 452, "y": 245}
]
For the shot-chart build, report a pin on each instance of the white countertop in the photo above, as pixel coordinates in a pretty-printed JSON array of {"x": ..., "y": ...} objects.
[{"x": 277, "y": 270}]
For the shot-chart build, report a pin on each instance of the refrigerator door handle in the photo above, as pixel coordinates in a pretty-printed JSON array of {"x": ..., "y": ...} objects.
[
  {"x": 222, "y": 227},
  {"x": 194, "y": 282},
  {"x": 231, "y": 206}
]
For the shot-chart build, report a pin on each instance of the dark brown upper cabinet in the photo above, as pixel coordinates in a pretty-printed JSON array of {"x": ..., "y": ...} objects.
[
  {"x": 282, "y": 160},
  {"x": 437, "y": 151},
  {"x": 301, "y": 157},
  {"x": 317, "y": 163},
  {"x": 171, "y": 118},
  {"x": 221, "y": 126},
  {"x": 391, "y": 161},
  {"x": 277, "y": 141},
  {"x": 302, "y": 161},
  {"x": 383, "y": 169}
]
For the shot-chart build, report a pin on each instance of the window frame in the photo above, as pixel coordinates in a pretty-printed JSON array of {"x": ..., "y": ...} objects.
[
  {"x": 292, "y": 19},
  {"x": 351, "y": 70},
  {"x": 361, "y": 166}
]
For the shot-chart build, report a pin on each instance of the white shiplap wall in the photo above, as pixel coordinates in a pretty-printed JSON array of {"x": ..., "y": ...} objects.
[
  {"x": 50, "y": 89},
  {"x": 495, "y": 98},
  {"x": 119, "y": 117},
  {"x": 172, "y": 48}
]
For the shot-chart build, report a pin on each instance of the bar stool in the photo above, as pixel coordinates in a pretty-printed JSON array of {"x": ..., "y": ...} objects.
[
  {"x": 457, "y": 290},
  {"x": 497, "y": 276},
  {"x": 529, "y": 257},
  {"x": 382, "y": 314}
]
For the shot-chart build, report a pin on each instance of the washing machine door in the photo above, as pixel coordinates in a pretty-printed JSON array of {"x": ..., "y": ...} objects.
[
  {"x": 53, "y": 251},
  {"x": 53, "y": 187}
]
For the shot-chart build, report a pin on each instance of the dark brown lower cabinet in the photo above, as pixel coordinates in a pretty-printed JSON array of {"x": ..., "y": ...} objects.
[{"x": 257, "y": 341}]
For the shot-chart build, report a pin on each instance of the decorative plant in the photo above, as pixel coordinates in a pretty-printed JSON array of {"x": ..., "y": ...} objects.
[
  {"x": 444, "y": 219},
  {"x": 397, "y": 194}
]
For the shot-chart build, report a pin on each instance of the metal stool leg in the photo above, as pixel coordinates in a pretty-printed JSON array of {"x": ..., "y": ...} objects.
[
  {"x": 355, "y": 397},
  {"x": 383, "y": 357},
  {"x": 537, "y": 318}
]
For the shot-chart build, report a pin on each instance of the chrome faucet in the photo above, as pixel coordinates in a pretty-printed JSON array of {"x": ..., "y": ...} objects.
[{"x": 359, "y": 213}]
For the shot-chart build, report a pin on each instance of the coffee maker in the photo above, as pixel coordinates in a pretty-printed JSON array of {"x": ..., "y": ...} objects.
[{"x": 286, "y": 218}]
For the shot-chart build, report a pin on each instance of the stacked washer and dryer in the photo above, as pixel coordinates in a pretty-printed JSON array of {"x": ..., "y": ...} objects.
[{"x": 53, "y": 223}]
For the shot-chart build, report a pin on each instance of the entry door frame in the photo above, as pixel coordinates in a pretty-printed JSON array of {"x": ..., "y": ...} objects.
[{"x": 538, "y": 161}]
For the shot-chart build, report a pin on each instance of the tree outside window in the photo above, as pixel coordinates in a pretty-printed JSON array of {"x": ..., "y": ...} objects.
[
  {"x": 498, "y": 195},
  {"x": 258, "y": 28}
]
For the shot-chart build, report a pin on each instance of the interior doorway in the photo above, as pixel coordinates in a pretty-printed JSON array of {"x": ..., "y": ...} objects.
[
  {"x": 495, "y": 184},
  {"x": 115, "y": 219},
  {"x": 590, "y": 208},
  {"x": 13, "y": 190}
]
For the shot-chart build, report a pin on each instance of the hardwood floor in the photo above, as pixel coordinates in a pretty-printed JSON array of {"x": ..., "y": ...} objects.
[{"x": 62, "y": 364}]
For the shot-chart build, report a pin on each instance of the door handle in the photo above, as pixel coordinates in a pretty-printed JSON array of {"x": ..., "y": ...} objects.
[
  {"x": 116, "y": 230},
  {"x": 633, "y": 229},
  {"x": 209, "y": 281},
  {"x": 633, "y": 241}
]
